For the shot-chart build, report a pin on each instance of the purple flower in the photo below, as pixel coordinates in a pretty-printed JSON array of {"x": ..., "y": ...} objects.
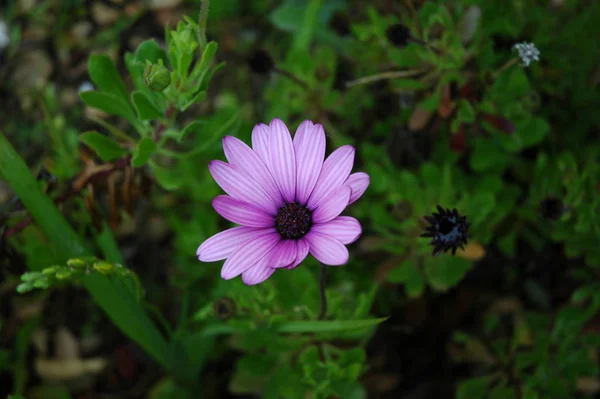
[{"x": 286, "y": 200}]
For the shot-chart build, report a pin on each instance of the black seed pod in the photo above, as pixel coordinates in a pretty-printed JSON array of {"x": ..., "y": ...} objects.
[
  {"x": 224, "y": 308},
  {"x": 552, "y": 208},
  {"x": 399, "y": 35},
  {"x": 260, "y": 62},
  {"x": 447, "y": 229}
]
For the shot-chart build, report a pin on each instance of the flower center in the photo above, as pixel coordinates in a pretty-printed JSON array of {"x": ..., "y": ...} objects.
[
  {"x": 293, "y": 221},
  {"x": 446, "y": 226}
]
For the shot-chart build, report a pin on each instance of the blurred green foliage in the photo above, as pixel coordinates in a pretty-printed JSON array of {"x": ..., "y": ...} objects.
[{"x": 452, "y": 118}]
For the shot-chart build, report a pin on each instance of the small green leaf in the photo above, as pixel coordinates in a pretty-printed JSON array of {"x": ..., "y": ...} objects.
[
  {"x": 192, "y": 127},
  {"x": 105, "y": 76},
  {"x": 430, "y": 103},
  {"x": 143, "y": 151},
  {"x": 402, "y": 273},
  {"x": 466, "y": 113},
  {"x": 201, "y": 67},
  {"x": 200, "y": 96},
  {"x": 109, "y": 103},
  {"x": 488, "y": 155},
  {"x": 415, "y": 285},
  {"x": 474, "y": 388},
  {"x": 106, "y": 148},
  {"x": 145, "y": 108},
  {"x": 168, "y": 179},
  {"x": 151, "y": 51},
  {"x": 24, "y": 287}
]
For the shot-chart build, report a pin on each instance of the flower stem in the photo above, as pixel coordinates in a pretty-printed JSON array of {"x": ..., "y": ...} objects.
[
  {"x": 292, "y": 77},
  {"x": 505, "y": 67},
  {"x": 322, "y": 284},
  {"x": 384, "y": 76},
  {"x": 202, "y": 20}
]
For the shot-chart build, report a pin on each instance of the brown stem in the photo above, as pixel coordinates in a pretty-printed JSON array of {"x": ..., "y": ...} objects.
[
  {"x": 75, "y": 189},
  {"x": 292, "y": 77}
]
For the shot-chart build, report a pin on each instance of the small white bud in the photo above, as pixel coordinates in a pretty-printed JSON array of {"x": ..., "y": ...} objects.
[
  {"x": 85, "y": 86},
  {"x": 527, "y": 52}
]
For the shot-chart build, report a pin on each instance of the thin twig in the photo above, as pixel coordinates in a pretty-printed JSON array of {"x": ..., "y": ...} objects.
[
  {"x": 384, "y": 76},
  {"x": 505, "y": 67}
]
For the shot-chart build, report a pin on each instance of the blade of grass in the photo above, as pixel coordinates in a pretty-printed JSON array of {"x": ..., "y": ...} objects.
[
  {"x": 298, "y": 326},
  {"x": 119, "y": 304}
]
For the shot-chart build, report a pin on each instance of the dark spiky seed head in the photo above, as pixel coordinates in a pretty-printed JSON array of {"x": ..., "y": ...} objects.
[
  {"x": 260, "y": 62},
  {"x": 552, "y": 208},
  {"x": 398, "y": 34},
  {"x": 447, "y": 230},
  {"x": 224, "y": 308},
  {"x": 293, "y": 221}
]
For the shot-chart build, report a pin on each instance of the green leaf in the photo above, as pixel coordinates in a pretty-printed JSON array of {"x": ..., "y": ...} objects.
[
  {"x": 109, "y": 103},
  {"x": 202, "y": 67},
  {"x": 143, "y": 151},
  {"x": 151, "y": 51},
  {"x": 474, "y": 388},
  {"x": 119, "y": 304},
  {"x": 430, "y": 103},
  {"x": 200, "y": 96},
  {"x": 192, "y": 127},
  {"x": 415, "y": 284},
  {"x": 168, "y": 179},
  {"x": 446, "y": 272},
  {"x": 145, "y": 108},
  {"x": 105, "y": 147},
  {"x": 402, "y": 273},
  {"x": 466, "y": 113},
  {"x": 105, "y": 76},
  {"x": 488, "y": 155}
]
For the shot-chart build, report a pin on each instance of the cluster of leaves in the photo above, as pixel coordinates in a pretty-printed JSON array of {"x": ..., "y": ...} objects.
[
  {"x": 166, "y": 83},
  {"x": 542, "y": 357},
  {"x": 459, "y": 86}
]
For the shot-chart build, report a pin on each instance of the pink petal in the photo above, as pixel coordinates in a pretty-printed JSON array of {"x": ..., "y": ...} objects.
[
  {"x": 240, "y": 212},
  {"x": 358, "y": 182},
  {"x": 345, "y": 229},
  {"x": 326, "y": 249},
  {"x": 260, "y": 142},
  {"x": 302, "y": 248},
  {"x": 249, "y": 254},
  {"x": 282, "y": 159},
  {"x": 309, "y": 144},
  {"x": 247, "y": 161},
  {"x": 283, "y": 254},
  {"x": 225, "y": 243},
  {"x": 239, "y": 186},
  {"x": 257, "y": 273},
  {"x": 332, "y": 206},
  {"x": 336, "y": 169}
]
